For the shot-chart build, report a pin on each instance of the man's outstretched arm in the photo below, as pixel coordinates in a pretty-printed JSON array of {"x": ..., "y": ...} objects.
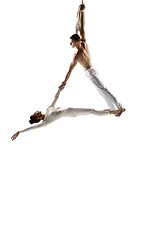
[
  {"x": 82, "y": 13},
  {"x": 71, "y": 67}
]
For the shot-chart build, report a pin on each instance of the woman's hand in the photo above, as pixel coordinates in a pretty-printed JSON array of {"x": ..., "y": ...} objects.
[{"x": 15, "y": 136}]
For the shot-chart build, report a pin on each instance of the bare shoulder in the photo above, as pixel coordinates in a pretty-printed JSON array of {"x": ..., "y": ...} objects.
[
  {"x": 84, "y": 43},
  {"x": 77, "y": 55}
]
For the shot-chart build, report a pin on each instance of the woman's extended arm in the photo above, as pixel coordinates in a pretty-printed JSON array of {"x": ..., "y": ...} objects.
[
  {"x": 43, "y": 124},
  {"x": 55, "y": 98}
]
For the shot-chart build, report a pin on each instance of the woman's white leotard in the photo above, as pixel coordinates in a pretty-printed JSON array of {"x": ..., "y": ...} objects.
[{"x": 54, "y": 114}]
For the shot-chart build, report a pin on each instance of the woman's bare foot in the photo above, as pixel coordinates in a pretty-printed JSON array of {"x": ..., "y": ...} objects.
[{"x": 118, "y": 112}]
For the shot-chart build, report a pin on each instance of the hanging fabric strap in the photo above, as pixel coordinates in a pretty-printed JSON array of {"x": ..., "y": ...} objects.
[{"x": 78, "y": 20}]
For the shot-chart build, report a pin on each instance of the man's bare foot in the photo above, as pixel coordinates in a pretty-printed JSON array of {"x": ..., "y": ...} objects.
[
  {"x": 107, "y": 110},
  {"x": 119, "y": 112}
]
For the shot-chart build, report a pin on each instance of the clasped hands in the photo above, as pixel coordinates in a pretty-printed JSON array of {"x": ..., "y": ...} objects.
[{"x": 61, "y": 87}]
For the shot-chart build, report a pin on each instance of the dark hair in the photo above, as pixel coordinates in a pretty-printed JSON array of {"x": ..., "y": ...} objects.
[
  {"x": 75, "y": 37},
  {"x": 33, "y": 119}
]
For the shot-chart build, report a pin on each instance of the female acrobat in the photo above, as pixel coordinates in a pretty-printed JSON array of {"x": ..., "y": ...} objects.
[{"x": 52, "y": 114}]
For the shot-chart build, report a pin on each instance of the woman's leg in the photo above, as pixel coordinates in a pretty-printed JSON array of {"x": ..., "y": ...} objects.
[{"x": 75, "y": 112}]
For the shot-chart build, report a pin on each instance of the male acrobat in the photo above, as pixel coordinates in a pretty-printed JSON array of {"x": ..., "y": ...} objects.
[{"x": 82, "y": 56}]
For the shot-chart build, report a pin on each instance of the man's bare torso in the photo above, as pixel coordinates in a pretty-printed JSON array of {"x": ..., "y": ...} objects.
[{"x": 83, "y": 56}]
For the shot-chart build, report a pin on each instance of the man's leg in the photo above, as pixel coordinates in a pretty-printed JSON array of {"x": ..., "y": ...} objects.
[{"x": 110, "y": 99}]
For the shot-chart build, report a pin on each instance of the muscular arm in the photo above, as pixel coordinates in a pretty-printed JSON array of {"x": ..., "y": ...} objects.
[
  {"x": 71, "y": 67},
  {"x": 82, "y": 13}
]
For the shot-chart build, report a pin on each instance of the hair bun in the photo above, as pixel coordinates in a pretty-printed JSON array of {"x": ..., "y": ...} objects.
[{"x": 33, "y": 119}]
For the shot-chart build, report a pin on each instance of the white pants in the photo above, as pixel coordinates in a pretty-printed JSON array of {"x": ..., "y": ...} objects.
[{"x": 112, "y": 102}]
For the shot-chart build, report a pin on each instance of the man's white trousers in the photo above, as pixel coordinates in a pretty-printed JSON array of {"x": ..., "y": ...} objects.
[{"x": 112, "y": 102}]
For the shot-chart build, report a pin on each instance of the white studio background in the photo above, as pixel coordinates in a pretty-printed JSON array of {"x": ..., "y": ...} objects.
[{"x": 89, "y": 177}]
